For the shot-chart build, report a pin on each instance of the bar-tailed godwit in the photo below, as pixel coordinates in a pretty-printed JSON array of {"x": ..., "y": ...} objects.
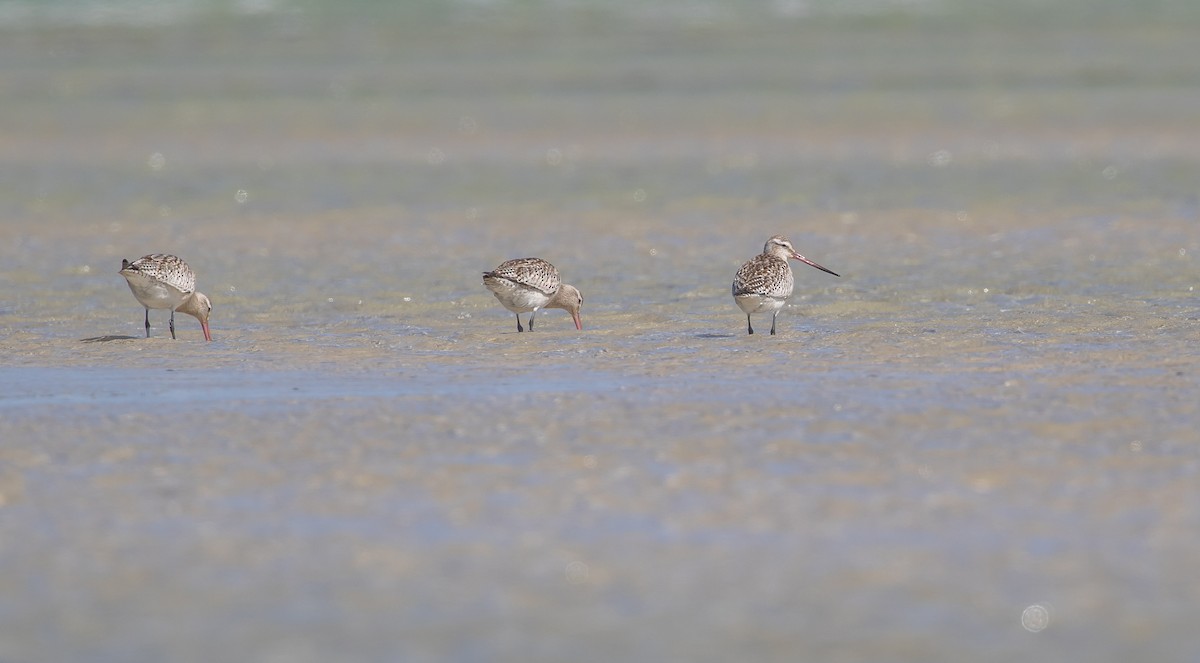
[
  {"x": 164, "y": 281},
  {"x": 528, "y": 284},
  {"x": 765, "y": 282}
]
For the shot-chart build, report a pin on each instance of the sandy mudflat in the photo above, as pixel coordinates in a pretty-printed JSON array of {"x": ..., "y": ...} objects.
[{"x": 979, "y": 444}]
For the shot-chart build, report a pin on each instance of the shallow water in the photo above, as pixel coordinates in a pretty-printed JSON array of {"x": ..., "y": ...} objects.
[{"x": 978, "y": 444}]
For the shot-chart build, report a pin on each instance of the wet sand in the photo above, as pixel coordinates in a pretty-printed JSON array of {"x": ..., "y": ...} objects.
[{"x": 978, "y": 444}]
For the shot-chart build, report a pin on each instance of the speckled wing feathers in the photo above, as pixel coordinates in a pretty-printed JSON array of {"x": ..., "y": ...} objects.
[
  {"x": 530, "y": 272},
  {"x": 167, "y": 269},
  {"x": 764, "y": 275}
]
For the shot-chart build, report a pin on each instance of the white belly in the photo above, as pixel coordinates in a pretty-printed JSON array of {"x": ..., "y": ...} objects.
[
  {"x": 516, "y": 298},
  {"x": 154, "y": 294},
  {"x": 758, "y": 303}
]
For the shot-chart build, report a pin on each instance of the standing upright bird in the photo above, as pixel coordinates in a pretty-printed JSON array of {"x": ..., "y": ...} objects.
[
  {"x": 765, "y": 282},
  {"x": 528, "y": 284},
  {"x": 165, "y": 281}
]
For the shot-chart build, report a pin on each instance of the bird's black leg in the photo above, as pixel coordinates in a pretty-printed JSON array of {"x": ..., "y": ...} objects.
[
  {"x": 519, "y": 327},
  {"x": 147, "y": 323},
  {"x": 749, "y": 329},
  {"x": 531, "y": 319},
  {"x": 773, "y": 322},
  {"x": 172, "y": 324}
]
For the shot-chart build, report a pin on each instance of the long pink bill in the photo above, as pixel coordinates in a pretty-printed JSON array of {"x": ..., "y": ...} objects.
[
  {"x": 810, "y": 263},
  {"x": 207, "y": 334}
]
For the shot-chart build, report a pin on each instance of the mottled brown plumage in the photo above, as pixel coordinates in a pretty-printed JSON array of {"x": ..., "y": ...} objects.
[
  {"x": 765, "y": 282},
  {"x": 160, "y": 281},
  {"x": 528, "y": 284}
]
